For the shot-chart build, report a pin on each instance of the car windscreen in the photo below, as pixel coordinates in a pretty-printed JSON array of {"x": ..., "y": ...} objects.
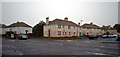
[{"x": 24, "y": 36}]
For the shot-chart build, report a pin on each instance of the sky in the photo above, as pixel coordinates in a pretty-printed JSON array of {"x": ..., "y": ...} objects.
[
  {"x": 100, "y": 12},
  {"x": 119, "y": 12}
]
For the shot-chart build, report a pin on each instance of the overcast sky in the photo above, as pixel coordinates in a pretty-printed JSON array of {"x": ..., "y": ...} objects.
[{"x": 100, "y": 13}]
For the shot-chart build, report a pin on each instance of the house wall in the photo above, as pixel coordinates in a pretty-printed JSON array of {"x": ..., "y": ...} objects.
[
  {"x": 54, "y": 31},
  {"x": 18, "y": 30},
  {"x": 112, "y": 31},
  {"x": 92, "y": 31},
  {"x": 4, "y": 30},
  {"x": 65, "y": 29}
]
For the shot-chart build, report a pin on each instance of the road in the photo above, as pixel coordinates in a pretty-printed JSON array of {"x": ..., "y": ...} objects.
[{"x": 59, "y": 47}]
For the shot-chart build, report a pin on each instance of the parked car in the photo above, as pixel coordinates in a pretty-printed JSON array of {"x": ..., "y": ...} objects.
[
  {"x": 118, "y": 38},
  {"x": 105, "y": 36},
  {"x": 114, "y": 35},
  {"x": 110, "y": 36},
  {"x": 22, "y": 37},
  {"x": 93, "y": 36}
]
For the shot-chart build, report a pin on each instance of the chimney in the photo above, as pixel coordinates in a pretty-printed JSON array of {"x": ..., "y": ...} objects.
[
  {"x": 103, "y": 25},
  {"x": 91, "y": 23},
  {"x": 79, "y": 23},
  {"x": 66, "y": 19},
  {"x": 47, "y": 20}
]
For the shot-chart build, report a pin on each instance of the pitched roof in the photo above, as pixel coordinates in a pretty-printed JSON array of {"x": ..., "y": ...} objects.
[
  {"x": 107, "y": 27},
  {"x": 3, "y": 25},
  {"x": 91, "y": 25},
  {"x": 19, "y": 24},
  {"x": 62, "y": 22}
]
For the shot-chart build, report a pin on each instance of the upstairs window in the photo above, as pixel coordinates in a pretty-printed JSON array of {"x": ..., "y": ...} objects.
[
  {"x": 59, "y": 26},
  {"x": 63, "y": 26},
  {"x": 80, "y": 28},
  {"x": 69, "y": 26},
  {"x": 59, "y": 33},
  {"x": 74, "y": 27},
  {"x": 87, "y": 28}
]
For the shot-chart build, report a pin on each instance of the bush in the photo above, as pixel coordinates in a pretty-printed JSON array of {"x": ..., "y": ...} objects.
[{"x": 8, "y": 33}]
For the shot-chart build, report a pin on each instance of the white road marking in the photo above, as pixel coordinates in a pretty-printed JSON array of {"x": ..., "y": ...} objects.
[
  {"x": 99, "y": 54},
  {"x": 12, "y": 40},
  {"x": 96, "y": 53},
  {"x": 56, "y": 44},
  {"x": 21, "y": 54}
]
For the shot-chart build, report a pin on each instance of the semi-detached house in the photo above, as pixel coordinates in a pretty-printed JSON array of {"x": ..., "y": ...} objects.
[
  {"x": 65, "y": 28},
  {"x": 18, "y": 28}
]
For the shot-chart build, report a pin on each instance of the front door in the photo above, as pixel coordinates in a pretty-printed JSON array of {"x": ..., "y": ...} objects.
[
  {"x": 80, "y": 34},
  {"x": 48, "y": 32}
]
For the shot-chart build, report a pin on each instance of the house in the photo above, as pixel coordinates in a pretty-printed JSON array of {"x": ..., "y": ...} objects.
[
  {"x": 60, "y": 28},
  {"x": 2, "y": 27},
  {"x": 112, "y": 31},
  {"x": 65, "y": 28},
  {"x": 18, "y": 28},
  {"x": 92, "y": 29},
  {"x": 109, "y": 29}
]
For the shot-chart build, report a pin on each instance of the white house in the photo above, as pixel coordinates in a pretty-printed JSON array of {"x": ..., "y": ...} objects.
[
  {"x": 2, "y": 27},
  {"x": 19, "y": 28}
]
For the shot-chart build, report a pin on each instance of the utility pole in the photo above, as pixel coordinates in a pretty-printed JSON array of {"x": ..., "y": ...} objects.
[
  {"x": 81, "y": 27},
  {"x": 81, "y": 22}
]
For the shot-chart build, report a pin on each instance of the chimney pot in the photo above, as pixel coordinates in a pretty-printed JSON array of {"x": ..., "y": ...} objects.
[
  {"x": 66, "y": 18},
  {"x": 91, "y": 23},
  {"x": 79, "y": 23}
]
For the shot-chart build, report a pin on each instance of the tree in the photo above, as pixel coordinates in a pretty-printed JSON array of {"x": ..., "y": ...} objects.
[
  {"x": 107, "y": 32},
  {"x": 38, "y": 28},
  {"x": 117, "y": 26}
]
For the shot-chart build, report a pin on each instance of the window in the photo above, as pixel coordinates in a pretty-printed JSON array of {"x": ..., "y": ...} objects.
[
  {"x": 65, "y": 33},
  {"x": 69, "y": 26},
  {"x": 74, "y": 27},
  {"x": 26, "y": 31},
  {"x": 74, "y": 33},
  {"x": 10, "y": 29},
  {"x": 68, "y": 33},
  {"x": 80, "y": 34},
  {"x": 80, "y": 28},
  {"x": 63, "y": 26},
  {"x": 87, "y": 28},
  {"x": 59, "y": 32},
  {"x": 59, "y": 26}
]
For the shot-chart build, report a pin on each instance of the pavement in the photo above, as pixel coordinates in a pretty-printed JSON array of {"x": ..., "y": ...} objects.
[{"x": 60, "y": 47}]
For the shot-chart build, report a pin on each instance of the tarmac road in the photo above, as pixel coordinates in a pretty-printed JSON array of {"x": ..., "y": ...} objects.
[{"x": 59, "y": 47}]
